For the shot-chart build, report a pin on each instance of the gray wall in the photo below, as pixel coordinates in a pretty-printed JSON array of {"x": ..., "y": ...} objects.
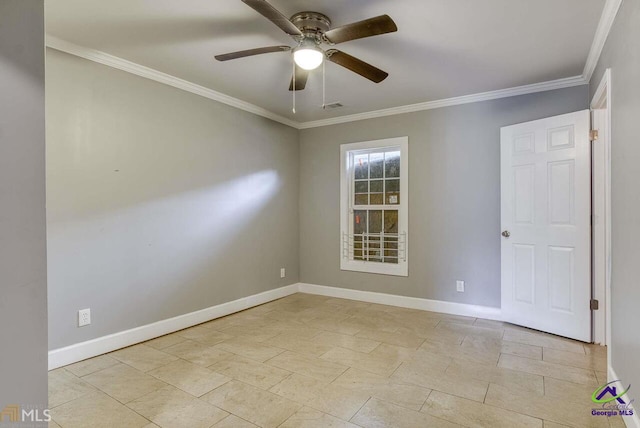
[
  {"x": 454, "y": 196},
  {"x": 159, "y": 202},
  {"x": 622, "y": 54},
  {"x": 23, "y": 264}
]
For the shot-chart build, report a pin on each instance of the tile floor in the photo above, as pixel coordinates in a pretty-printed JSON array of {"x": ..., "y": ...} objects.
[{"x": 312, "y": 361}]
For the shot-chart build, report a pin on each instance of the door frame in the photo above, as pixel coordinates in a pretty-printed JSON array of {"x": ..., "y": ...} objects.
[{"x": 601, "y": 106}]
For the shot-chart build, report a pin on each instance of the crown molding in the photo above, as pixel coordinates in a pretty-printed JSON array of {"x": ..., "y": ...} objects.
[
  {"x": 606, "y": 22},
  {"x": 607, "y": 18},
  {"x": 158, "y": 76},
  {"x": 465, "y": 99}
]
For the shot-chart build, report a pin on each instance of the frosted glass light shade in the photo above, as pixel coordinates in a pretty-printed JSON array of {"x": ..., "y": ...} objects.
[{"x": 308, "y": 58}]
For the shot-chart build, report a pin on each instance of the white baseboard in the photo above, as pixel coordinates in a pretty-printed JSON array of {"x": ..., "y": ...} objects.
[
  {"x": 451, "y": 308},
  {"x": 101, "y": 345},
  {"x": 630, "y": 421}
]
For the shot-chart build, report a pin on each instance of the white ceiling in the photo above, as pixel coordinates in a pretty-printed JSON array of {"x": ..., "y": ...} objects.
[{"x": 443, "y": 48}]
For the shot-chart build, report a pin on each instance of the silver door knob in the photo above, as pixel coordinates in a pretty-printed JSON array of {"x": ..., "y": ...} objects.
[{"x": 506, "y": 234}]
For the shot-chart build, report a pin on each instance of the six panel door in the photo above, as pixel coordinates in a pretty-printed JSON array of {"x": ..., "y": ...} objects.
[{"x": 546, "y": 224}]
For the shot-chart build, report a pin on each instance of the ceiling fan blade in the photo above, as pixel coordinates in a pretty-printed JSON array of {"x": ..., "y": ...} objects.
[
  {"x": 301, "y": 79},
  {"x": 369, "y": 27},
  {"x": 356, "y": 65},
  {"x": 251, "y": 52},
  {"x": 273, "y": 15}
]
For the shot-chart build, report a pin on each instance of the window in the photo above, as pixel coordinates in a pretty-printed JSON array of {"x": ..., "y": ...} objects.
[{"x": 373, "y": 206}]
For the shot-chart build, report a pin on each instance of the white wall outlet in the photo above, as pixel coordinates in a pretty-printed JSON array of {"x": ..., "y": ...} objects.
[
  {"x": 84, "y": 317},
  {"x": 282, "y": 273},
  {"x": 460, "y": 286}
]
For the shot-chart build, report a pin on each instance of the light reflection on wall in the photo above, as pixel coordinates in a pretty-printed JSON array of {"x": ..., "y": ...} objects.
[
  {"x": 238, "y": 200},
  {"x": 158, "y": 246}
]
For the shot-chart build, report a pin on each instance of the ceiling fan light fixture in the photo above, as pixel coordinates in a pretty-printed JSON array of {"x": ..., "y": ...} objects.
[
  {"x": 308, "y": 57},
  {"x": 312, "y": 30}
]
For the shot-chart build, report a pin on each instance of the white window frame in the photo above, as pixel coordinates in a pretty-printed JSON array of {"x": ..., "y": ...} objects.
[{"x": 346, "y": 204}]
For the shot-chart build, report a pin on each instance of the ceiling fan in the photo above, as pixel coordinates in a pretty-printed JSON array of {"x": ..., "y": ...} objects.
[{"x": 311, "y": 30}]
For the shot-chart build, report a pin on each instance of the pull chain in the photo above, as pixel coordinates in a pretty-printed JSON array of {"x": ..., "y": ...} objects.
[
  {"x": 294, "y": 86},
  {"x": 324, "y": 97}
]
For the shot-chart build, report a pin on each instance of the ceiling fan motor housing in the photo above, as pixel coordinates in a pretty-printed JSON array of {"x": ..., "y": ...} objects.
[{"x": 312, "y": 24}]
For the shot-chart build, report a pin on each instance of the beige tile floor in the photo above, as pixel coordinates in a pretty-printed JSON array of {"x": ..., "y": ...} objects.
[{"x": 312, "y": 361}]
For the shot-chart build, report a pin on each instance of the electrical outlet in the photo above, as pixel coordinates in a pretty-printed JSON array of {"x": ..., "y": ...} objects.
[
  {"x": 282, "y": 273},
  {"x": 84, "y": 317},
  {"x": 460, "y": 286}
]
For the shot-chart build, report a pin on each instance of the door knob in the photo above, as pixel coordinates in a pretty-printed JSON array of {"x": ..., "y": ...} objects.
[{"x": 506, "y": 234}]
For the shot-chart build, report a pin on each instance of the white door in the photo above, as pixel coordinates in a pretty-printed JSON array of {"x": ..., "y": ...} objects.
[{"x": 546, "y": 224}]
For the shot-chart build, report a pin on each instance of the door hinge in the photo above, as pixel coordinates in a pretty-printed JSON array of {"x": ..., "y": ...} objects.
[
  {"x": 594, "y": 305},
  {"x": 593, "y": 135}
]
